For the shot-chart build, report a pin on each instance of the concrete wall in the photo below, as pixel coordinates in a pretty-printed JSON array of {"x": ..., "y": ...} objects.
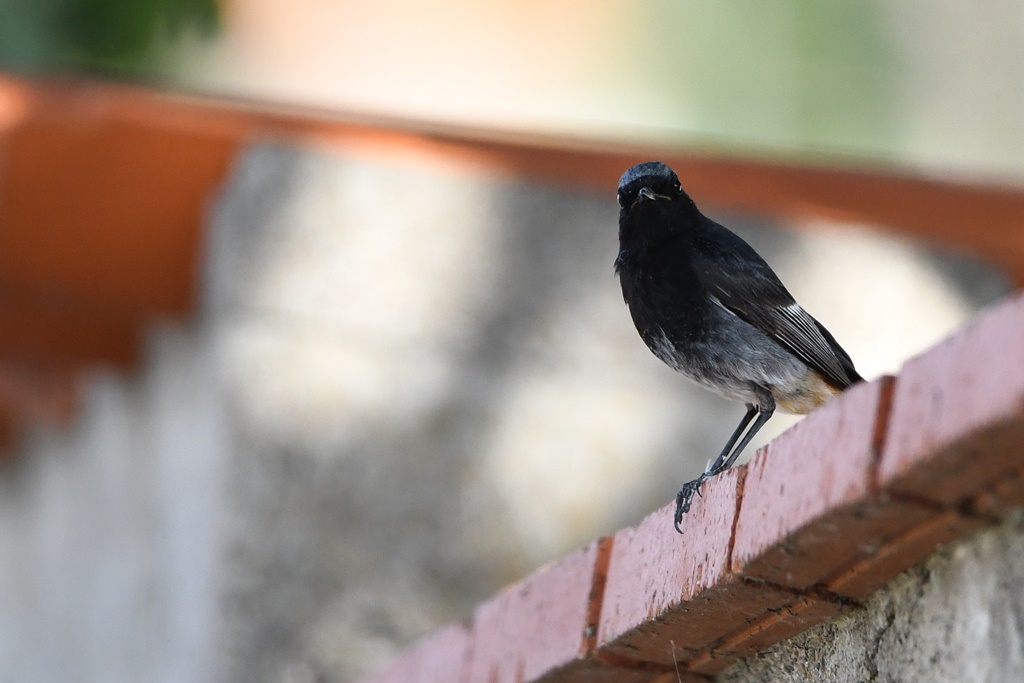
[
  {"x": 957, "y": 617},
  {"x": 408, "y": 384}
]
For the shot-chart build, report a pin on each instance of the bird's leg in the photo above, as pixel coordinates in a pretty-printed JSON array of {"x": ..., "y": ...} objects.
[
  {"x": 685, "y": 495},
  {"x": 764, "y": 410},
  {"x": 719, "y": 463},
  {"x": 764, "y": 413}
]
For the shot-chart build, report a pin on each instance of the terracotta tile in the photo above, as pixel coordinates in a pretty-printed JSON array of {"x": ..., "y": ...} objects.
[
  {"x": 957, "y": 417},
  {"x": 865, "y": 577},
  {"x": 439, "y": 658},
  {"x": 809, "y": 506},
  {"x": 84, "y": 242},
  {"x": 37, "y": 392},
  {"x": 538, "y": 626},
  {"x": 52, "y": 334},
  {"x": 10, "y": 433},
  {"x": 669, "y": 596}
]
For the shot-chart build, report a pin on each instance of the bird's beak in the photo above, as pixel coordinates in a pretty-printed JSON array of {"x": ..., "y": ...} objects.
[{"x": 648, "y": 193}]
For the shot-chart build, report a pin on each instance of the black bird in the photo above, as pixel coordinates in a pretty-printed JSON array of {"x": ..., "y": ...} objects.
[{"x": 710, "y": 307}]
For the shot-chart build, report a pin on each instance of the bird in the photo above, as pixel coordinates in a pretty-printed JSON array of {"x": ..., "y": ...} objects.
[{"x": 708, "y": 306}]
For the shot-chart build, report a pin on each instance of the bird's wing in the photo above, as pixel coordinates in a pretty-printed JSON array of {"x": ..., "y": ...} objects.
[{"x": 739, "y": 279}]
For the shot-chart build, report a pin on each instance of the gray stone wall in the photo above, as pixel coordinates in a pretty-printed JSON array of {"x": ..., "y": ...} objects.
[{"x": 409, "y": 384}]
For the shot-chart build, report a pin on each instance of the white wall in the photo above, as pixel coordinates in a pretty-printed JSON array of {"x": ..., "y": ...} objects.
[{"x": 110, "y": 531}]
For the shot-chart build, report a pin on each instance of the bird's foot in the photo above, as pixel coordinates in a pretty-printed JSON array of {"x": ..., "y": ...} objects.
[{"x": 685, "y": 497}]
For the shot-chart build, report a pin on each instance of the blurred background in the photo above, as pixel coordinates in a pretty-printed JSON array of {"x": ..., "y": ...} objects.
[{"x": 400, "y": 377}]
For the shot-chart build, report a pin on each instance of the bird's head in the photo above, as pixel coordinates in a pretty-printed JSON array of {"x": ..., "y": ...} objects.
[
  {"x": 652, "y": 207},
  {"x": 652, "y": 181}
]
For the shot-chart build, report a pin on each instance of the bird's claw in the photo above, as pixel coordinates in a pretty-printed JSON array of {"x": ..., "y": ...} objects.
[{"x": 685, "y": 497}]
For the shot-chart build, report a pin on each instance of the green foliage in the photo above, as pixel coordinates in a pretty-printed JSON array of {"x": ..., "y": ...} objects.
[{"x": 105, "y": 35}]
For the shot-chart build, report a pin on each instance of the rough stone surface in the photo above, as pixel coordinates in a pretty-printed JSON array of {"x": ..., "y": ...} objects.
[{"x": 956, "y": 617}]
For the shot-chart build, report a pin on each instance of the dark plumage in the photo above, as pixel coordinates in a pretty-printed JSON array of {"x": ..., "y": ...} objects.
[{"x": 709, "y": 306}]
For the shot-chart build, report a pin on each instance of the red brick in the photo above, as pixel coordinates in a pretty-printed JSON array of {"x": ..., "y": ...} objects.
[
  {"x": 709, "y": 663},
  {"x": 1003, "y": 496},
  {"x": 957, "y": 417},
  {"x": 868, "y": 575},
  {"x": 681, "y": 676},
  {"x": 594, "y": 671},
  {"x": 540, "y": 626},
  {"x": 809, "y": 506},
  {"x": 668, "y": 596},
  {"x": 821, "y": 506},
  {"x": 779, "y": 625},
  {"x": 440, "y": 658},
  {"x": 770, "y": 628}
]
